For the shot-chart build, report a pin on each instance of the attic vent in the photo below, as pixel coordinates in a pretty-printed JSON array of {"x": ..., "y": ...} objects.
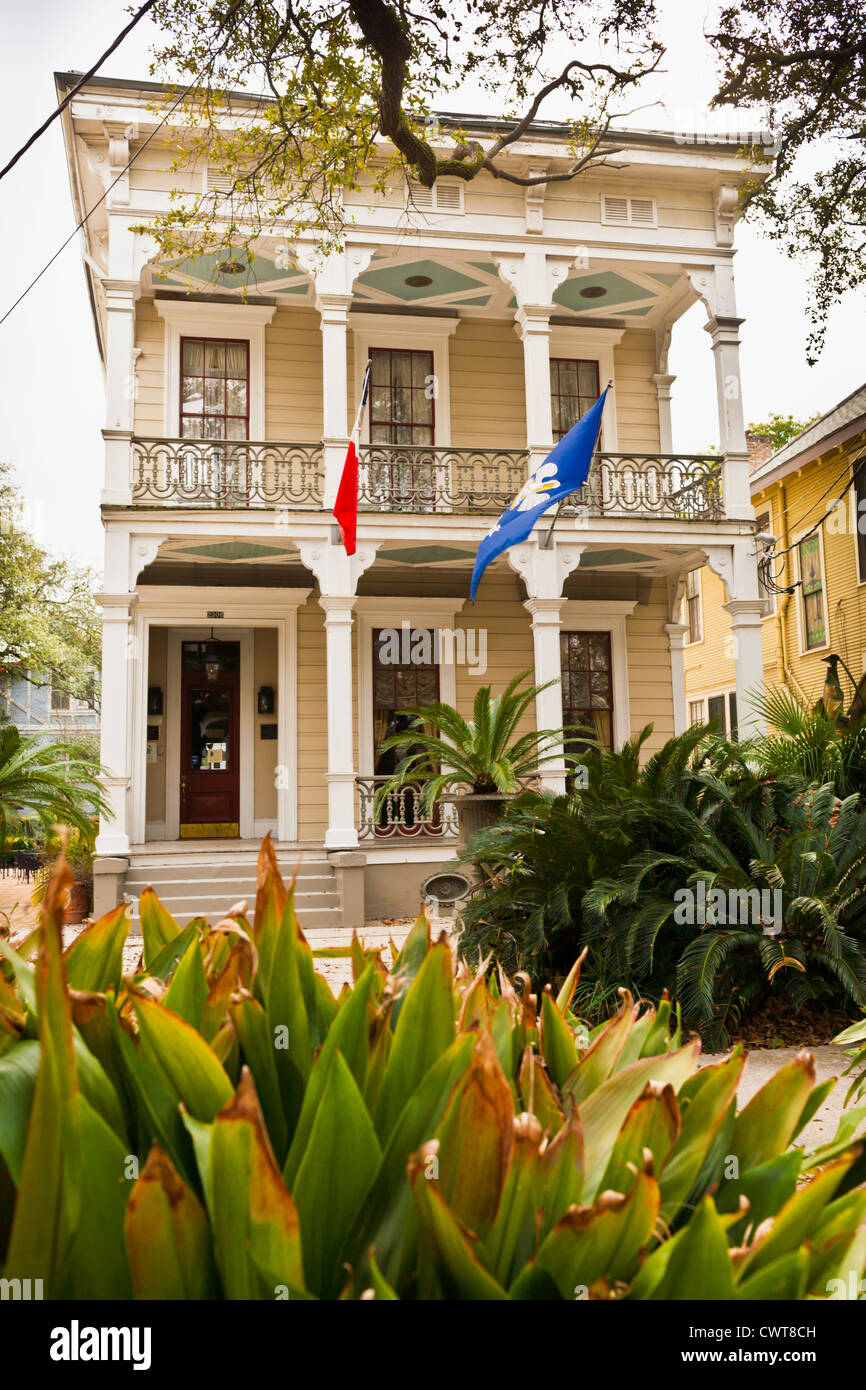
[
  {"x": 446, "y": 195},
  {"x": 215, "y": 182},
  {"x": 628, "y": 212}
]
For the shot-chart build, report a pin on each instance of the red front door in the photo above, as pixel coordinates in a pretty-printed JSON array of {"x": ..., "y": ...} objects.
[{"x": 209, "y": 774}]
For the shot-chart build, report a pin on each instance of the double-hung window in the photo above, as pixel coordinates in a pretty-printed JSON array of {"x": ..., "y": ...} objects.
[
  {"x": 573, "y": 389},
  {"x": 587, "y": 684},
  {"x": 214, "y": 388}
]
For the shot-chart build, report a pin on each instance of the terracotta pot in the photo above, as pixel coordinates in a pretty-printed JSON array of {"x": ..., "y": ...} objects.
[
  {"x": 477, "y": 812},
  {"x": 79, "y": 902}
]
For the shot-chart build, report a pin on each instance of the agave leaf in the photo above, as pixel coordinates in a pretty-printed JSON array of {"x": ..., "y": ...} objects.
[
  {"x": 424, "y": 1030},
  {"x": 156, "y": 1102},
  {"x": 235, "y": 975},
  {"x": 251, "y": 1027},
  {"x": 457, "y": 1264},
  {"x": 838, "y": 1242},
  {"x": 409, "y": 961},
  {"x": 705, "y": 1102},
  {"x": 94, "y": 961},
  {"x": 699, "y": 1263},
  {"x": 49, "y": 1192},
  {"x": 605, "y": 1109},
  {"x": 382, "y": 1291},
  {"x": 335, "y": 1174},
  {"x": 476, "y": 1135},
  {"x": 510, "y": 1244},
  {"x": 167, "y": 1237},
  {"x": 19, "y": 1068},
  {"x": 784, "y": 1279},
  {"x": 598, "y": 1062},
  {"x": 289, "y": 1004},
  {"x": 557, "y": 1042},
  {"x": 653, "y": 1123},
  {"x": 537, "y": 1093},
  {"x": 256, "y": 1230},
  {"x": 158, "y": 927},
  {"x": 388, "y": 1214},
  {"x": 183, "y": 1058},
  {"x": 570, "y": 983},
  {"x": 187, "y": 994},
  {"x": 764, "y": 1127},
  {"x": 350, "y": 1035},
  {"x": 816, "y": 1099},
  {"x": 766, "y": 1188},
  {"x": 798, "y": 1217},
  {"x": 560, "y": 1175},
  {"x": 270, "y": 904},
  {"x": 164, "y": 964},
  {"x": 603, "y": 1241},
  {"x": 99, "y": 1267}
]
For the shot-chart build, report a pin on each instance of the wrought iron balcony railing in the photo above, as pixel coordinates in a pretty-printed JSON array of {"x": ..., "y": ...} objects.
[
  {"x": 226, "y": 473},
  {"x": 413, "y": 478},
  {"x": 400, "y": 814}
]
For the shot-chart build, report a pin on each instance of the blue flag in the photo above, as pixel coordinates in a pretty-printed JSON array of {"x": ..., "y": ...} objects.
[{"x": 563, "y": 471}]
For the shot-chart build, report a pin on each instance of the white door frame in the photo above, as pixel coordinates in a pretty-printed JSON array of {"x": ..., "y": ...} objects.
[{"x": 187, "y": 615}]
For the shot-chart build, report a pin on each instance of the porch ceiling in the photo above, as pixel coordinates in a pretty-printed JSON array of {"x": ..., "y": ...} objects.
[{"x": 413, "y": 280}]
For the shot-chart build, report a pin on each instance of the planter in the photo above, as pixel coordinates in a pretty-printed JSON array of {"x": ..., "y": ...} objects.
[
  {"x": 477, "y": 812},
  {"x": 79, "y": 902}
]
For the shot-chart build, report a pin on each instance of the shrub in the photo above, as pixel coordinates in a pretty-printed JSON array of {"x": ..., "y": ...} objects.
[{"x": 218, "y": 1125}]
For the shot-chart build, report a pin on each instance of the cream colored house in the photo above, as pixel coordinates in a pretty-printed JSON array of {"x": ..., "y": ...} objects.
[{"x": 247, "y": 681}]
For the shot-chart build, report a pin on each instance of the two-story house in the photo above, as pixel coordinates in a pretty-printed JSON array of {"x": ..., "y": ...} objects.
[
  {"x": 810, "y": 496},
  {"x": 247, "y": 685}
]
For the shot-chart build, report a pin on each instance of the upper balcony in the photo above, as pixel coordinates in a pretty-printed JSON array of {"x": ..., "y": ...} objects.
[{"x": 416, "y": 479}]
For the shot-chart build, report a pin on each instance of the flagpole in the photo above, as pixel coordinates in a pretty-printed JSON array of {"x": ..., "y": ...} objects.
[{"x": 548, "y": 539}]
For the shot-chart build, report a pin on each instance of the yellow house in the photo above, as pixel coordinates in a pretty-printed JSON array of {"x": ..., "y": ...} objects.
[{"x": 810, "y": 496}]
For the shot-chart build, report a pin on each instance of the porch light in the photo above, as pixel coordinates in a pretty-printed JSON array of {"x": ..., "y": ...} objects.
[
  {"x": 419, "y": 281},
  {"x": 232, "y": 266},
  {"x": 593, "y": 292},
  {"x": 212, "y": 656}
]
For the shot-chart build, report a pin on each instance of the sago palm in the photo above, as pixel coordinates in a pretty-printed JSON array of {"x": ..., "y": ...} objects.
[
  {"x": 442, "y": 749},
  {"x": 46, "y": 783}
]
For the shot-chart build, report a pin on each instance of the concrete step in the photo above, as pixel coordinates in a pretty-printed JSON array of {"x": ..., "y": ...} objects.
[{"x": 226, "y": 883}]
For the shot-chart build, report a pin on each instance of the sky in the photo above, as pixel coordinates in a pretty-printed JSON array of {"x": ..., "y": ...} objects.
[{"x": 52, "y": 400}]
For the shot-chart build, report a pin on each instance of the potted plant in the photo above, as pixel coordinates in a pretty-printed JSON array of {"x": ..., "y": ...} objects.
[
  {"x": 77, "y": 845},
  {"x": 484, "y": 756}
]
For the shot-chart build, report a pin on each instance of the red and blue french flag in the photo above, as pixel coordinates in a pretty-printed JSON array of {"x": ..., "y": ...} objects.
[{"x": 345, "y": 509}]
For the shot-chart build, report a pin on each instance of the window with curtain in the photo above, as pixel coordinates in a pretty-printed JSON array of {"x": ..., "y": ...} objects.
[
  {"x": 214, "y": 388},
  {"x": 396, "y": 685},
  {"x": 814, "y": 620},
  {"x": 401, "y": 396},
  {"x": 587, "y": 683},
  {"x": 694, "y": 614},
  {"x": 573, "y": 389}
]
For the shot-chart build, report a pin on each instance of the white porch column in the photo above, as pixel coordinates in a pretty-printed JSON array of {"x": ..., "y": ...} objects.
[
  {"x": 546, "y": 626},
  {"x": 120, "y": 357},
  {"x": 338, "y": 575},
  {"x": 118, "y": 662},
  {"x": 746, "y": 614},
  {"x": 534, "y": 278},
  {"x": 333, "y": 275},
  {"x": 544, "y": 572},
  {"x": 715, "y": 286},
  {"x": 737, "y": 566},
  {"x": 334, "y": 312},
  {"x": 664, "y": 382},
  {"x": 534, "y": 329},
  {"x": 677, "y": 634},
  {"x": 342, "y": 833}
]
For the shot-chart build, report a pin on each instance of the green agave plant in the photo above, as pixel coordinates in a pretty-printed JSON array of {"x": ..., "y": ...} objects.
[{"x": 219, "y": 1125}]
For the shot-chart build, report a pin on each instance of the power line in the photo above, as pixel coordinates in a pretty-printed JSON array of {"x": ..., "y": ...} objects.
[
  {"x": 101, "y": 199},
  {"x": 148, "y": 5}
]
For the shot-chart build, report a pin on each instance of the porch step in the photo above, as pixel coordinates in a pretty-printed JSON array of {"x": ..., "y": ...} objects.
[{"x": 207, "y": 882}]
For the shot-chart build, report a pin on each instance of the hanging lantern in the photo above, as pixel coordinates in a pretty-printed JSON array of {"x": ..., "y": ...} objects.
[{"x": 212, "y": 658}]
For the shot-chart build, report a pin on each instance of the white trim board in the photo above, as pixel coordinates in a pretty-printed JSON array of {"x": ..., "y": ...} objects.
[{"x": 194, "y": 319}]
